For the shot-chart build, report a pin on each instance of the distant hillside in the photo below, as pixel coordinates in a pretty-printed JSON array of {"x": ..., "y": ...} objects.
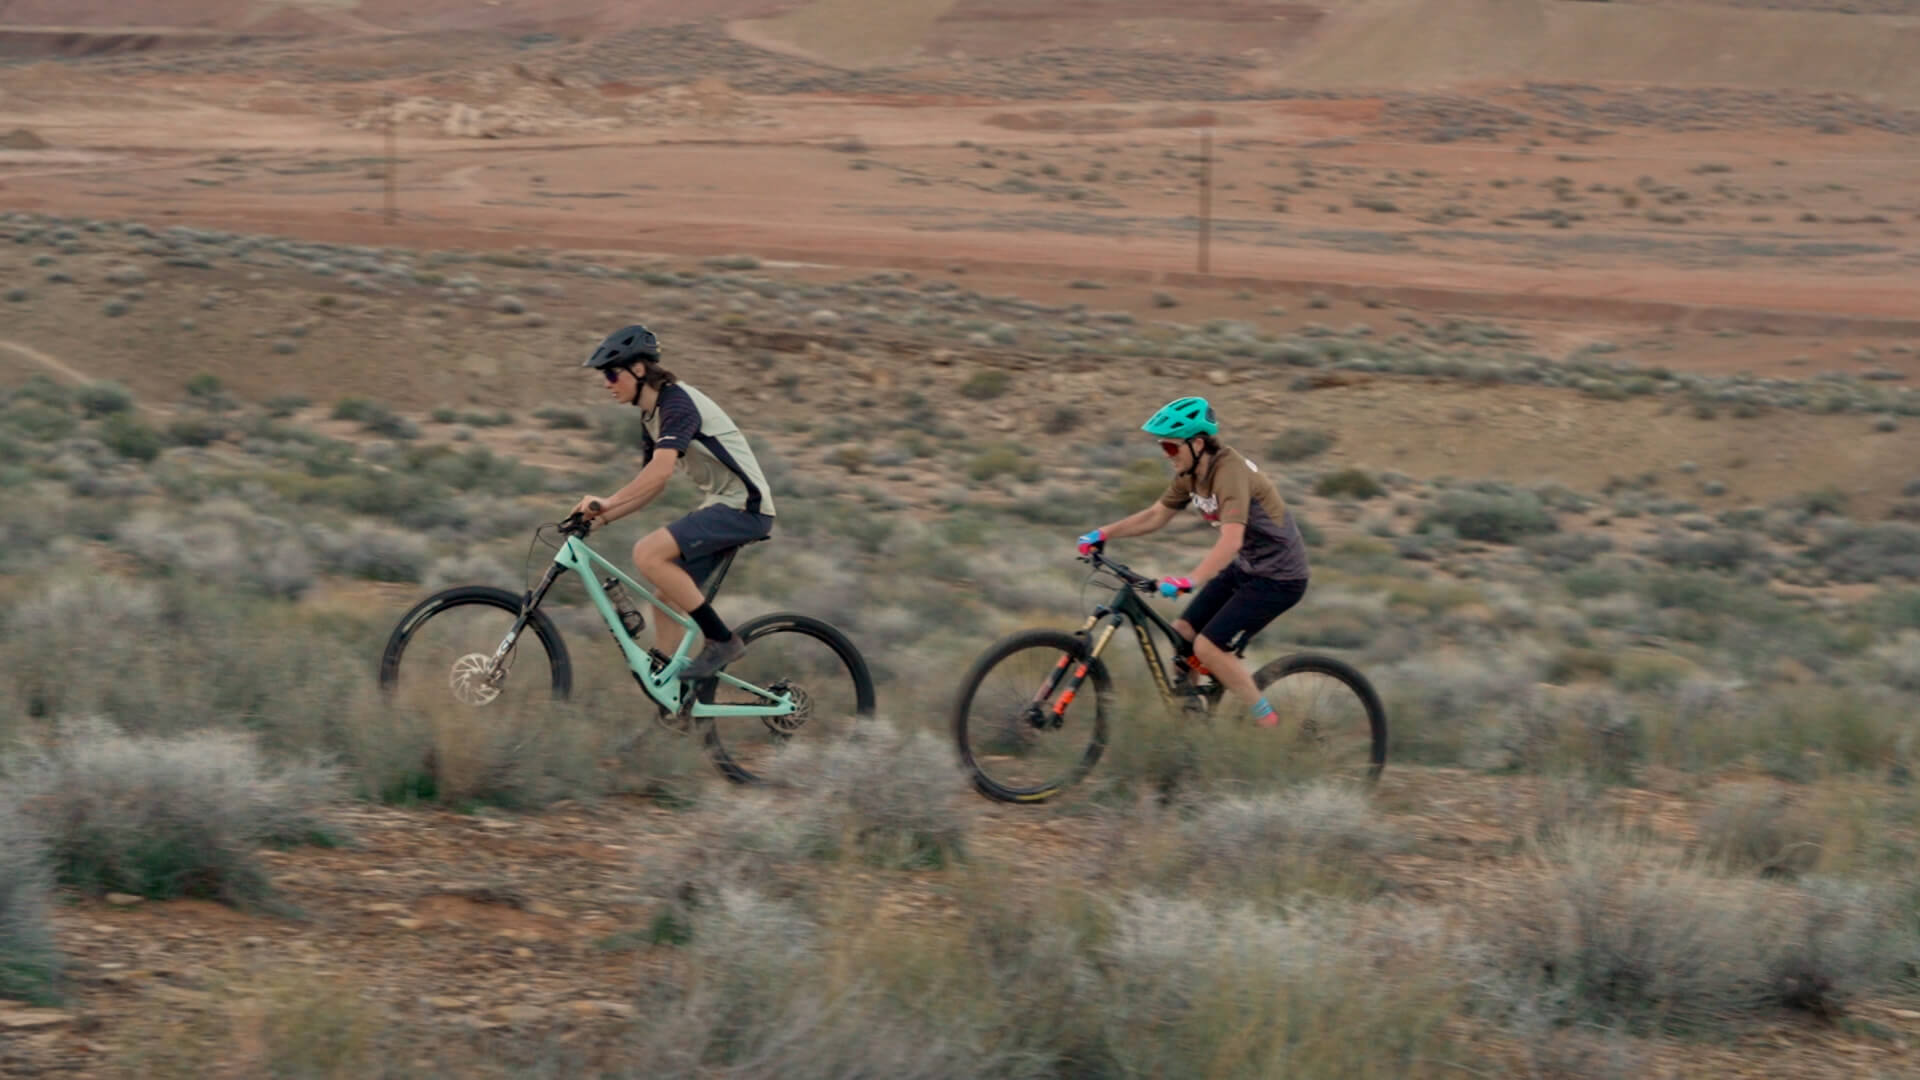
[{"x": 1420, "y": 43}]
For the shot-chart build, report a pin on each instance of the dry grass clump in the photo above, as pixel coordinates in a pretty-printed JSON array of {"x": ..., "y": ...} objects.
[
  {"x": 1321, "y": 838},
  {"x": 1055, "y": 982},
  {"x": 225, "y": 542},
  {"x": 29, "y": 963},
  {"x": 1763, "y": 828},
  {"x": 282, "y": 1022},
  {"x": 167, "y": 817},
  {"x": 1618, "y": 935}
]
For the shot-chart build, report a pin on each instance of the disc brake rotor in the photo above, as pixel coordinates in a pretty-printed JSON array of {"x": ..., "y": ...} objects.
[
  {"x": 793, "y": 721},
  {"x": 474, "y": 679}
]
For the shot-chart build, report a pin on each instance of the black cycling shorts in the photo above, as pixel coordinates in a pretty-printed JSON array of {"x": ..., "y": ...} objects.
[
  {"x": 1236, "y": 605},
  {"x": 707, "y": 534}
]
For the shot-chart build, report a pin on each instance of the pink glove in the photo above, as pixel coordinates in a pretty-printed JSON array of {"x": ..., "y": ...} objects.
[
  {"x": 1093, "y": 542},
  {"x": 1171, "y": 587}
]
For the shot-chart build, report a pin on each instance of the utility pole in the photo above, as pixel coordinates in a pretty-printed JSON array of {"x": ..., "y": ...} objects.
[
  {"x": 393, "y": 161},
  {"x": 1206, "y": 193}
]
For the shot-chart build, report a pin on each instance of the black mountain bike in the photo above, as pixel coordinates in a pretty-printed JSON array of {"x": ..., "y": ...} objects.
[{"x": 1031, "y": 718}]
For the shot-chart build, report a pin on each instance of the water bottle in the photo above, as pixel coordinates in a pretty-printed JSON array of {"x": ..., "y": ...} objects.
[{"x": 630, "y": 616}]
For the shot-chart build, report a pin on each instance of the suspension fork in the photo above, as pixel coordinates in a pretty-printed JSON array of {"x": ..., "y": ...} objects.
[
  {"x": 1075, "y": 674},
  {"x": 528, "y": 604}
]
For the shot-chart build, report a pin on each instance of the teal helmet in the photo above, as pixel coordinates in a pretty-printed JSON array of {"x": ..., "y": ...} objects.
[{"x": 1182, "y": 418}]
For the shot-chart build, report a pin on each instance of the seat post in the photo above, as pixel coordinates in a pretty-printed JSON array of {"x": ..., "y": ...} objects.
[{"x": 712, "y": 586}]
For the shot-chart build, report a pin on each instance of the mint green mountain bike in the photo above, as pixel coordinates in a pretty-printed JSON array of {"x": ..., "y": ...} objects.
[{"x": 464, "y": 649}]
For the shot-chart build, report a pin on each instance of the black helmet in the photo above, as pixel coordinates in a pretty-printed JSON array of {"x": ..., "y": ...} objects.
[{"x": 624, "y": 348}]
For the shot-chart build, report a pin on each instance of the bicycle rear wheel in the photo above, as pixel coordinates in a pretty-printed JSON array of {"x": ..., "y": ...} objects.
[
  {"x": 1331, "y": 713},
  {"x": 787, "y": 654},
  {"x": 1019, "y": 733}
]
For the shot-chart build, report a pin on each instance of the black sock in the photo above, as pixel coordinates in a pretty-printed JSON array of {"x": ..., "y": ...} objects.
[{"x": 709, "y": 623}]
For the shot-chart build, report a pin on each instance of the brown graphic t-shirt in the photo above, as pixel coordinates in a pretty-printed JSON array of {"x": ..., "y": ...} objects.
[{"x": 1232, "y": 490}]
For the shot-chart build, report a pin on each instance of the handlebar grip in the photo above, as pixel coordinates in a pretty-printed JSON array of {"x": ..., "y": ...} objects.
[{"x": 594, "y": 505}]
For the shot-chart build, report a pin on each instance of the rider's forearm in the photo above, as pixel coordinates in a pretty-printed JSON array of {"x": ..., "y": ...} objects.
[{"x": 638, "y": 492}]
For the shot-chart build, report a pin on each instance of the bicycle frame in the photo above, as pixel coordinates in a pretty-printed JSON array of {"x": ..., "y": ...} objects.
[
  {"x": 665, "y": 686},
  {"x": 1126, "y": 607}
]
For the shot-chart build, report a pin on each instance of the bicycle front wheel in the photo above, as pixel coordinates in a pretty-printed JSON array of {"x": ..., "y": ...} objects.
[
  {"x": 1019, "y": 732},
  {"x": 444, "y": 687},
  {"x": 1331, "y": 715},
  {"x": 795, "y": 655}
]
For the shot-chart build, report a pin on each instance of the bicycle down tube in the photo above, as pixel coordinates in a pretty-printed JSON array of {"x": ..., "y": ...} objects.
[{"x": 665, "y": 685}]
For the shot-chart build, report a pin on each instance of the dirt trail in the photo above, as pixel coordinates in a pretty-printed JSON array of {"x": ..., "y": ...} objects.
[{"x": 51, "y": 364}]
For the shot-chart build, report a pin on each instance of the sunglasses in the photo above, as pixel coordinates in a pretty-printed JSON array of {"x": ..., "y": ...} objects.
[
  {"x": 1171, "y": 449},
  {"x": 612, "y": 374}
]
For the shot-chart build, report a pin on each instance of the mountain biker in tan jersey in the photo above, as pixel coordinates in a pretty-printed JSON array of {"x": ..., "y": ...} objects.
[
  {"x": 1256, "y": 570},
  {"x": 682, "y": 430}
]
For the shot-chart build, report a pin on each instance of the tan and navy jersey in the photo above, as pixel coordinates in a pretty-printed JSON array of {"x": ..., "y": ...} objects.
[
  {"x": 713, "y": 452},
  {"x": 1235, "y": 491}
]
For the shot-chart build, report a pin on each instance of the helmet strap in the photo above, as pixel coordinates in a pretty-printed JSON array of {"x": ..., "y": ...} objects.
[{"x": 1194, "y": 466}]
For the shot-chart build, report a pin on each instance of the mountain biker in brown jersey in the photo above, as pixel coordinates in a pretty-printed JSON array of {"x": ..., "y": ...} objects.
[
  {"x": 682, "y": 430},
  {"x": 1256, "y": 570}
]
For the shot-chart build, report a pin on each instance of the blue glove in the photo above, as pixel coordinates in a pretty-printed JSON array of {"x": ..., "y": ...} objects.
[
  {"x": 1171, "y": 587},
  {"x": 1093, "y": 541}
]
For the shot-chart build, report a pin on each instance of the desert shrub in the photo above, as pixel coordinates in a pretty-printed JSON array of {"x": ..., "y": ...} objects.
[
  {"x": 886, "y": 789},
  {"x": 563, "y": 419},
  {"x": 986, "y": 384},
  {"x": 1002, "y": 460},
  {"x": 1256, "y": 994},
  {"x": 130, "y": 438},
  {"x": 1897, "y": 608},
  {"x": 1560, "y": 552},
  {"x": 1616, "y": 937},
  {"x": 1760, "y": 827},
  {"x": 1348, "y": 484},
  {"x": 1319, "y": 838},
  {"x": 1439, "y": 704},
  {"x": 42, "y": 389},
  {"x": 165, "y": 818},
  {"x": 370, "y": 551},
  {"x": 1725, "y": 551},
  {"x": 281, "y": 406},
  {"x": 1299, "y": 444},
  {"x": 103, "y": 399},
  {"x": 469, "y": 569},
  {"x": 39, "y": 422},
  {"x": 1852, "y": 552},
  {"x": 1828, "y": 501},
  {"x": 1899, "y": 661},
  {"x": 1596, "y": 733},
  {"x": 1491, "y": 518},
  {"x": 478, "y": 469},
  {"x": 29, "y": 963},
  {"x": 375, "y": 417},
  {"x": 221, "y": 541},
  {"x": 196, "y": 431}
]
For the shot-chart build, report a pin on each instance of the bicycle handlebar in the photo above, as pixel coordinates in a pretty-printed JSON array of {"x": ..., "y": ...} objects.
[
  {"x": 575, "y": 525},
  {"x": 1133, "y": 580}
]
